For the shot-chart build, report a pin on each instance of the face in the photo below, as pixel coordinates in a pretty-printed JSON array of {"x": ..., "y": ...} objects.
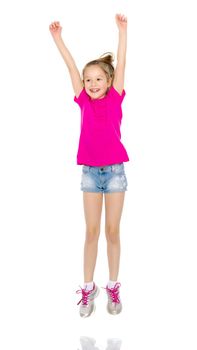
[{"x": 95, "y": 82}]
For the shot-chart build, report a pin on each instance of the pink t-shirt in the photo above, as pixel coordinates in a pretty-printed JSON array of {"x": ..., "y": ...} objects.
[{"x": 100, "y": 137}]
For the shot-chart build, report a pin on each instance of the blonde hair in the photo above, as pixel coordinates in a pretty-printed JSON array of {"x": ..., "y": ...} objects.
[{"x": 105, "y": 63}]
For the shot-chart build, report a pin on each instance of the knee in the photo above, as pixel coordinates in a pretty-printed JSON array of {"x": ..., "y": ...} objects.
[
  {"x": 112, "y": 235},
  {"x": 92, "y": 235}
]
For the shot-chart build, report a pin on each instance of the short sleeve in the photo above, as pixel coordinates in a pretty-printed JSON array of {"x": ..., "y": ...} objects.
[
  {"x": 115, "y": 94},
  {"x": 82, "y": 98}
]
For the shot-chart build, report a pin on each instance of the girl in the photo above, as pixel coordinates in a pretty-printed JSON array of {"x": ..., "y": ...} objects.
[{"x": 99, "y": 94}]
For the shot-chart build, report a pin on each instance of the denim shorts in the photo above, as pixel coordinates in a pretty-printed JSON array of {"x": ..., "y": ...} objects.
[{"x": 105, "y": 179}]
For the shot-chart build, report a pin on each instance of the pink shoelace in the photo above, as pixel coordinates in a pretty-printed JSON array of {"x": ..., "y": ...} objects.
[
  {"x": 85, "y": 295},
  {"x": 114, "y": 293}
]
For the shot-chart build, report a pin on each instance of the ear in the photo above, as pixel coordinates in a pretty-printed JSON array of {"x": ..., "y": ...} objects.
[{"x": 109, "y": 82}]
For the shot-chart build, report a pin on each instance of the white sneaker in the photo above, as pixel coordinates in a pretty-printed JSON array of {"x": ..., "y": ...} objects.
[
  {"x": 87, "y": 301},
  {"x": 114, "y": 305}
]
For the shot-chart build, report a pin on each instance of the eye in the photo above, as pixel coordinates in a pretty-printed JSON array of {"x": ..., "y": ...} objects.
[
  {"x": 88, "y": 80},
  {"x": 99, "y": 79}
]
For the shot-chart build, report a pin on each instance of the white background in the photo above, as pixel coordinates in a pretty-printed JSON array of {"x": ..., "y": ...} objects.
[{"x": 42, "y": 222}]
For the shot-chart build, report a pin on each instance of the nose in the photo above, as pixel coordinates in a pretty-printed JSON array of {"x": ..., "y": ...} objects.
[{"x": 93, "y": 83}]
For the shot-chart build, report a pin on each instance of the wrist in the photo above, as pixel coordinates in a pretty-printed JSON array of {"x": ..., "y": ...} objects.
[
  {"x": 57, "y": 36},
  {"x": 122, "y": 31}
]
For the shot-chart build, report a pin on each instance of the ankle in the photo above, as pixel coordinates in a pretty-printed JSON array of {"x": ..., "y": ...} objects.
[
  {"x": 88, "y": 285},
  {"x": 111, "y": 284}
]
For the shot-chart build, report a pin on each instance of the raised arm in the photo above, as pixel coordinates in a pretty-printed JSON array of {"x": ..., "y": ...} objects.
[
  {"x": 118, "y": 82},
  {"x": 77, "y": 84}
]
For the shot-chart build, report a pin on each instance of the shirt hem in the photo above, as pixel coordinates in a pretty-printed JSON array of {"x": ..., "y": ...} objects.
[{"x": 102, "y": 164}]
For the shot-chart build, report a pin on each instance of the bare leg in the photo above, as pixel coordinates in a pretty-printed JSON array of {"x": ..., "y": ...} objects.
[
  {"x": 92, "y": 210},
  {"x": 113, "y": 210}
]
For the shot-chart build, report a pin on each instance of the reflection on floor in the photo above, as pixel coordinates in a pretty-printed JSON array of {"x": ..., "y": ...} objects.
[{"x": 88, "y": 343}]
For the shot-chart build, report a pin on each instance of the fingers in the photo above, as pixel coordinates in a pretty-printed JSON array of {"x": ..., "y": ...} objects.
[
  {"x": 54, "y": 26},
  {"x": 121, "y": 18}
]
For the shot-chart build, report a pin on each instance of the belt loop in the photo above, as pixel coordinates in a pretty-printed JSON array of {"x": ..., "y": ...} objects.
[{"x": 87, "y": 167}]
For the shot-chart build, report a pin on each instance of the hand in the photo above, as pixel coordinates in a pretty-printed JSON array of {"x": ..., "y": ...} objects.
[
  {"x": 121, "y": 21},
  {"x": 55, "y": 29}
]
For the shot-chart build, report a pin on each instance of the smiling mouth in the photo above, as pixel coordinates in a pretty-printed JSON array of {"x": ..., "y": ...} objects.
[{"x": 94, "y": 90}]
